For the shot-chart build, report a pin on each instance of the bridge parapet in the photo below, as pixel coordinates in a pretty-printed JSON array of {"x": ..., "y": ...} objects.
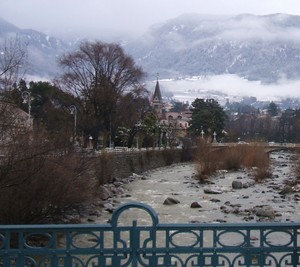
[{"x": 149, "y": 243}]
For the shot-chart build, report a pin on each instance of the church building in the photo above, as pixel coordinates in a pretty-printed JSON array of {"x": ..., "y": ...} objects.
[{"x": 174, "y": 123}]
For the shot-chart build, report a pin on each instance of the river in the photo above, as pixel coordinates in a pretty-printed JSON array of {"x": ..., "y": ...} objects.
[{"x": 232, "y": 205}]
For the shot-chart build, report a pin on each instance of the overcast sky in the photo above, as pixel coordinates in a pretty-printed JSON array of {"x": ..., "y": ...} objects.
[{"x": 114, "y": 16}]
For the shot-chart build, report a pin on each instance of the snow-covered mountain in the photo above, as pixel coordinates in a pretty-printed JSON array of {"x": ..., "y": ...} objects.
[
  {"x": 43, "y": 50},
  {"x": 265, "y": 48}
]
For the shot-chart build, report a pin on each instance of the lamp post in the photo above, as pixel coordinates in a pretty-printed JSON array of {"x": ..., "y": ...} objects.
[
  {"x": 215, "y": 139},
  {"x": 73, "y": 111},
  {"x": 110, "y": 141},
  {"x": 91, "y": 142},
  {"x": 157, "y": 134},
  {"x": 26, "y": 96},
  {"x": 138, "y": 125}
]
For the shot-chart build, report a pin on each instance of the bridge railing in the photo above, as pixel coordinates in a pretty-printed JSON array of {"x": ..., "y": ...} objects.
[{"x": 146, "y": 242}]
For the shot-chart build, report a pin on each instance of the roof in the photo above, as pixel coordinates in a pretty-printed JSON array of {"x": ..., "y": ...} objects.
[
  {"x": 17, "y": 116},
  {"x": 157, "y": 93},
  {"x": 178, "y": 115}
]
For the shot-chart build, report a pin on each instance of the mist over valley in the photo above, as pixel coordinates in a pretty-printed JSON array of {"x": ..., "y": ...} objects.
[{"x": 195, "y": 55}]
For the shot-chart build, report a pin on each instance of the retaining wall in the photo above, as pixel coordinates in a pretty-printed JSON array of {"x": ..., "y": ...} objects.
[{"x": 120, "y": 165}]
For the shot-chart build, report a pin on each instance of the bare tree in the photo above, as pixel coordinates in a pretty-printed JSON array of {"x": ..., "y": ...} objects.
[
  {"x": 99, "y": 74},
  {"x": 13, "y": 54}
]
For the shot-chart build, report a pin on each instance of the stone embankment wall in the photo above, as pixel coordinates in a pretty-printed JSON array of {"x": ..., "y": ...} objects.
[
  {"x": 139, "y": 162},
  {"x": 123, "y": 164}
]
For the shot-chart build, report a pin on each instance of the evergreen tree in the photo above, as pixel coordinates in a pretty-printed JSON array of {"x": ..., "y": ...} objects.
[
  {"x": 273, "y": 109},
  {"x": 208, "y": 116}
]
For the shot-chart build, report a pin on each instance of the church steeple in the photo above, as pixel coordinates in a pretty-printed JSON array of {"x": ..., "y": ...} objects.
[
  {"x": 157, "y": 93},
  {"x": 157, "y": 99}
]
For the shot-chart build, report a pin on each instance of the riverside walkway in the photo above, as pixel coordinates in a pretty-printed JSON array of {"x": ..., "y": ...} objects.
[
  {"x": 151, "y": 244},
  {"x": 268, "y": 147}
]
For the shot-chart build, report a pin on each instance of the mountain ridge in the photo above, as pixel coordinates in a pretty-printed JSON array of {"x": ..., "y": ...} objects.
[
  {"x": 43, "y": 50},
  {"x": 254, "y": 47},
  {"x": 263, "y": 48}
]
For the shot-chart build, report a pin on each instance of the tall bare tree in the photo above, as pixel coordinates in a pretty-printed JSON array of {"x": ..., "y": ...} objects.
[
  {"x": 13, "y": 55},
  {"x": 98, "y": 74}
]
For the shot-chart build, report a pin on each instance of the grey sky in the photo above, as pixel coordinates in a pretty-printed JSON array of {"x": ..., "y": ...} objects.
[{"x": 115, "y": 16}]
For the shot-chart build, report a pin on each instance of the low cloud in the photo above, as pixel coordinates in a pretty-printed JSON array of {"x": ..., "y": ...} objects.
[
  {"x": 230, "y": 85},
  {"x": 246, "y": 27}
]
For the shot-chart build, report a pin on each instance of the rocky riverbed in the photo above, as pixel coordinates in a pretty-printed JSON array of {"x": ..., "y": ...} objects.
[{"x": 177, "y": 196}]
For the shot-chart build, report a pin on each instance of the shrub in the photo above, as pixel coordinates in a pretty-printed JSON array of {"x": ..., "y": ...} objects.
[
  {"x": 296, "y": 172},
  {"x": 232, "y": 158},
  {"x": 261, "y": 173},
  {"x": 104, "y": 168},
  {"x": 206, "y": 161},
  {"x": 169, "y": 156},
  {"x": 257, "y": 157},
  {"x": 187, "y": 150},
  {"x": 39, "y": 180}
]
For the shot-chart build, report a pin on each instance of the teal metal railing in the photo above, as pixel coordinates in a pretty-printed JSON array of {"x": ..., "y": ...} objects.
[{"x": 146, "y": 242}]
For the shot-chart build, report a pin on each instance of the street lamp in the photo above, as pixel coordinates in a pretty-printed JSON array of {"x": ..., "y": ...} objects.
[
  {"x": 73, "y": 111},
  {"x": 90, "y": 142},
  {"x": 110, "y": 141},
  {"x": 215, "y": 139},
  {"x": 26, "y": 96},
  {"x": 157, "y": 135},
  {"x": 138, "y": 125}
]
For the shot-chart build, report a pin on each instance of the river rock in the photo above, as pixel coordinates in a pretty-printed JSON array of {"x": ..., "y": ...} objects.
[
  {"x": 266, "y": 211},
  {"x": 297, "y": 197},
  {"x": 237, "y": 184},
  {"x": 117, "y": 190},
  {"x": 109, "y": 207},
  {"x": 286, "y": 190},
  {"x": 220, "y": 221},
  {"x": 171, "y": 201},
  {"x": 212, "y": 191},
  {"x": 195, "y": 204},
  {"x": 118, "y": 184},
  {"x": 296, "y": 188},
  {"x": 215, "y": 200},
  {"x": 104, "y": 193}
]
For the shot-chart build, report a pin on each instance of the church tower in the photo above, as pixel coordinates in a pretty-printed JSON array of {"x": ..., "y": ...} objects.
[{"x": 157, "y": 102}]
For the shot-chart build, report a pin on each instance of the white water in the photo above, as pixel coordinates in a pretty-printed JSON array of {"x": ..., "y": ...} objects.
[{"x": 178, "y": 182}]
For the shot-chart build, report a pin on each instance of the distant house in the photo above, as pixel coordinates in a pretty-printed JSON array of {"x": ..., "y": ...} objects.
[
  {"x": 13, "y": 122},
  {"x": 179, "y": 120},
  {"x": 12, "y": 115}
]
